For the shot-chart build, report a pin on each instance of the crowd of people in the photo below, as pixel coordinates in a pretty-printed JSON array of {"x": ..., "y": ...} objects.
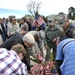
[{"x": 19, "y": 41}]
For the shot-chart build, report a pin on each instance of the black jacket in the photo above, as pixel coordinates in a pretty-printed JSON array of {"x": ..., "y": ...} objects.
[{"x": 2, "y": 32}]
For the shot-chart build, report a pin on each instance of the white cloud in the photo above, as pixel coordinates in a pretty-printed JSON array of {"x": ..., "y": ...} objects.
[
  {"x": 56, "y": 6},
  {"x": 13, "y": 4},
  {"x": 47, "y": 7}
]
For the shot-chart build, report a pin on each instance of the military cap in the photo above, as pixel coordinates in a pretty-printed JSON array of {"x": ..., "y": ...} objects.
[
  {"x": 51, "y": 19},
  {"x": 61, "y": 19}
]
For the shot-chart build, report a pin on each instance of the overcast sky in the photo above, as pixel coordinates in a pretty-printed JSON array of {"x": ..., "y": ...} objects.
[{"x": 48, "y": 7}]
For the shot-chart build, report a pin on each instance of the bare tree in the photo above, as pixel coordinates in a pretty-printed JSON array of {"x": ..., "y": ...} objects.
[{"x": 33, "y": 7}]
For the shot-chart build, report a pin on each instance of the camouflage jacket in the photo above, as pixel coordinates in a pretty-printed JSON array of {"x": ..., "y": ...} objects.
[{"x": 51, "y": 33}]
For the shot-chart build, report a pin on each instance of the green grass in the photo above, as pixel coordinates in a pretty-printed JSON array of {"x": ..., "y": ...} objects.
[{"x": 51, "y": 56}]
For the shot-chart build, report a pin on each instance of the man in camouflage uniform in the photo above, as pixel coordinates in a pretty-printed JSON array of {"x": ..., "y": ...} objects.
[
  {"x": 51, "y": 34},
  {"x": 38, "y": 49},
  {"x": 67, "y": 25}
]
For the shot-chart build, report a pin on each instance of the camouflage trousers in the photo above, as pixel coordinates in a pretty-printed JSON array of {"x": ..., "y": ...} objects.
[
  {"x": 29, "y": 53},
  {"x": 49, "y": 51}
]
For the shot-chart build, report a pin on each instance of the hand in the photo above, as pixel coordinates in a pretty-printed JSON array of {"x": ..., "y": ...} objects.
[
  {"x": 46, "y": 47},
  {"x": 31, "y": 57},
  {"x": 23, "y": 32},
  {"x": 30, "y": 71},
  {"x": 54, "y": 40},
  {"x": 42, "y": 53}
]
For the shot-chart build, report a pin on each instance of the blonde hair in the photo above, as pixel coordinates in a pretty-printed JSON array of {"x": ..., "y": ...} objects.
[{"x": 18, "y": 48}]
